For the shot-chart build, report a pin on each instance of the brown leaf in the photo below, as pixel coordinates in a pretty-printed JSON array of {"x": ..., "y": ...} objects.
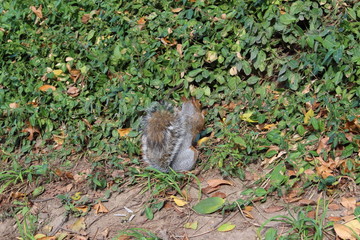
[
  {"x": 344, "y": 232},
  {"x": 306, "y": 202},
  {"x": 273, "y": 208},
  {"x": 348, "y": 203},
  {"x": 14, "y": 105},
  {"x": 248, "y": 214},
  {"x": 31, "y": 130},
  {"x": 83, "y": 209},
  {"x": 85, "y": 18},
  {"x": 219, "y": 194},
  {"x": 141, "y": 21},
  {"x": 45, "y": 87},
  {"x": 334, "y": 206},
  {"x": 353, "y": 126},
  {"x": 311, "y": 214},
  {"x": 217, "y": 182},
  {"x": 334, "y": 219},
  {"x": 209, "y": 189},
  {"x": 38, "y": 11},
  {"x": 100, "y": 208},
  {"x": 179, "y": 49},
  {"x": 323, "y": 145},
  {"x": 73, "y": 91}
]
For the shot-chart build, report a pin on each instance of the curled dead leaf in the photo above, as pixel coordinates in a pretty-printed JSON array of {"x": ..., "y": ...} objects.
[
  {"x": 31, "y": 130},
  {"x": 217, "y": 182},
  {"x": 209, "y": 189},
  {"x": 219, "y": 194}
]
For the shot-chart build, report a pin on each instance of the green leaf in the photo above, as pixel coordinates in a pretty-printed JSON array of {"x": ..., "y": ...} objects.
[
  {"x": 287, "y": 19},
  {"x": 38, "y": 191},
  {"x": 259, "y": 192},
  {"x": 226, "y": 227},
  {"x": 252, "y": 80},
  {"x": 149, "y": 213},
  {"x": 191, "y": 225},
  {"x": 195, "y": 72},
  {"x": 209, "y": 205},
  {"x": 240, "y": 141},
  {"x": 271, "y": 234},
  {"x": 301, "y": 130}
]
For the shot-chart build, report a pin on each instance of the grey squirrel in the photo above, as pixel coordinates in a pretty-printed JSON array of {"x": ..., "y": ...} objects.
[{"x": 168, "y": 134}]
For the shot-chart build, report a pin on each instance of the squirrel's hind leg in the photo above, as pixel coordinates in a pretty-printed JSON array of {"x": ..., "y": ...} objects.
[{"x": 185, "y": 160}]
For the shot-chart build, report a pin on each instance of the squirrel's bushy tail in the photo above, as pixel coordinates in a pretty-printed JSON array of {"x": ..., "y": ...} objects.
[{"x": 161, "y": 131}]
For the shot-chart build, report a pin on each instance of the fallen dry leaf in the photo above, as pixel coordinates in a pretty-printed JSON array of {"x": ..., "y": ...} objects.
[
  {"x": 141, "y": 21},
  {"x": 45, "y": 87},
  {"x": 176, "y": 10},
  {"x": 83, "y": 209},
  {"x": 344, "y": 232},
  {"x": 14, "y": 105},
  {"x": 323, "y": 146},
  {"x": 348, "y": 203},
  {"x": 124, "y": 131},
  {"x": 100, "y": 208},
  {"x": 217, "y": 182},
  {"x": 31, "y": 130},
  {"x": 334, "y": 219},
  {"x": 306, "y": 202},
  {"x": 273, "y": 208},
  {"x": 219, "y": 194},
  {"x": 334, "y": 206},
  {"x": 78, "y": 225},
  {"x": 73, "y": 91},
  {"x": 178, "y": 201},
  {"x": 38, "y": 12},
  {"x": 209, "y": 189},
  {"x": 179, "y": 49},
  {"x": 85, "y": 18}
]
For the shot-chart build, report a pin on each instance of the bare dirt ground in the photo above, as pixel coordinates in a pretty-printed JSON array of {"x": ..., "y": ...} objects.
[{"x": 168, "y": 223}]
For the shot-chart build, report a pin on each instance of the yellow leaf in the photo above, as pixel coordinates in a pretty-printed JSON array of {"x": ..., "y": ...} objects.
[
  {"x": 269, "y": 126},
  {"x": 226, "y": 227},
  {"x": 45, "y": 87},
  {"x": 179, "y": 201},
  {"x": 247, "y": 117},
  {"x": 233, "y": 71},
  {"x": 79, "y": 225},
  {"x": 57, "y": 72},
  {"x": 124, "y": 131},
  {"x": 76, "y": 196},
  {"x": 308, "y": 115},
  {"x": 202, "y": 140},
  {"x": 191, "y": 225}
]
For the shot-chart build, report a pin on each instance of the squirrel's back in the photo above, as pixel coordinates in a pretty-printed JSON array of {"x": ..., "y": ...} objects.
[{"x": 161, "y": 131}]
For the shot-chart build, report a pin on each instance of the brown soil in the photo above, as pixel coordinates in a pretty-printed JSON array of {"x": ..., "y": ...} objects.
[{"x": 168, "y": 223}]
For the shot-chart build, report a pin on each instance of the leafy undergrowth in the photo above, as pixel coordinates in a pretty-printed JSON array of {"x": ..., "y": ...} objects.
[{"x": 279, "y": 81}]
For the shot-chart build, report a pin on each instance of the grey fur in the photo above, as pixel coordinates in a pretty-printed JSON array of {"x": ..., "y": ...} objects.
[{"x": 174, "y": 150}]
